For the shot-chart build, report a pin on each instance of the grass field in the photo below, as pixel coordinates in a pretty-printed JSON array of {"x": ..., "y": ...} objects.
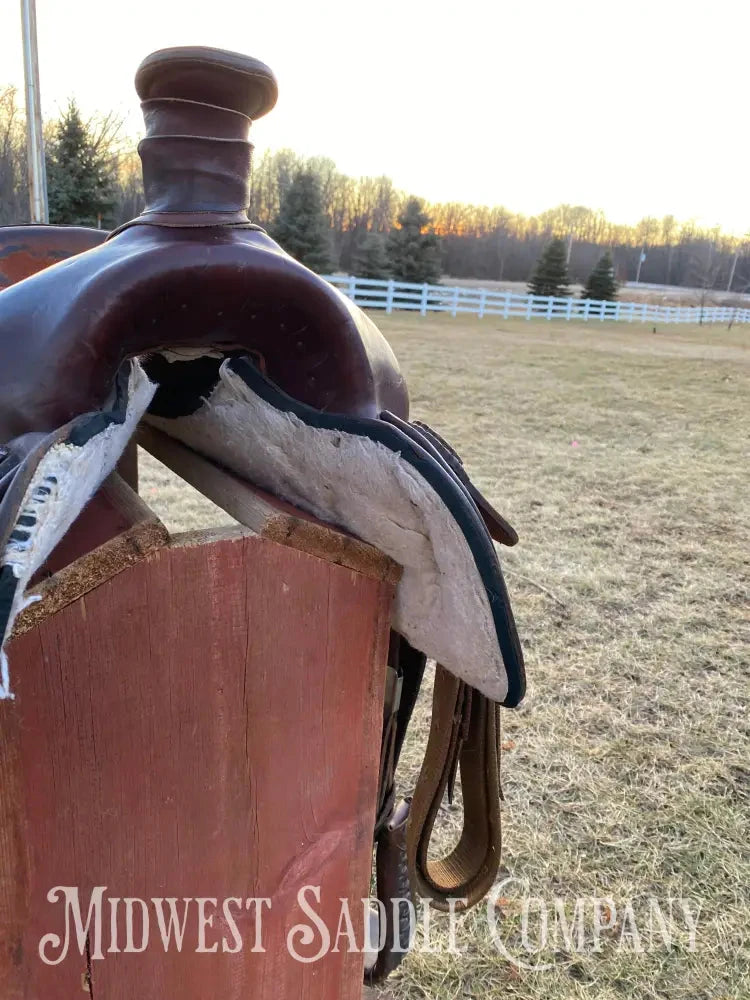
[{"x": 621, "y": 457}]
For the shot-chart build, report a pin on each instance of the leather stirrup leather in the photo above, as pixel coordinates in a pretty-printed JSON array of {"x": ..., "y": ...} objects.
[{"x": 465, "y": 732}]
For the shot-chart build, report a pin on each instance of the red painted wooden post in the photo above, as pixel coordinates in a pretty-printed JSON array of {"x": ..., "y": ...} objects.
[{"x": 204, "y": 723}]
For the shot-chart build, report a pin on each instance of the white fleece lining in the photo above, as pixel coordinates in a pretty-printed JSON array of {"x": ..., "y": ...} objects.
[
  {"x": 441, "y": 603},
  {"x": 62, "y": 484}
]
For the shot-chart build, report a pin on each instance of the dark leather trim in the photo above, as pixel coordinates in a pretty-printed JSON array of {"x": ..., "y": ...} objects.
[
  {"x": 446, "y": 485},
  {"x": 8, "y": 587},
  {"x": 88, "y": 425}
]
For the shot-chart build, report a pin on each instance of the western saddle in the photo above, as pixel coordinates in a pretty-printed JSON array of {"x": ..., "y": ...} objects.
[{"x": 193, "y": 319}]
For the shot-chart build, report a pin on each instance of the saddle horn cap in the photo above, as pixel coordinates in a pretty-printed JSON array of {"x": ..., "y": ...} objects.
[{"x": 208, "y": 76}]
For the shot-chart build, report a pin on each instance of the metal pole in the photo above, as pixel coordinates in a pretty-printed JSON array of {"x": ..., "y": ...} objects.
[
  {"x": 734, "y": 268},
  {"x": 641, "y": 257},
  {"x": 35, "y": 139}
]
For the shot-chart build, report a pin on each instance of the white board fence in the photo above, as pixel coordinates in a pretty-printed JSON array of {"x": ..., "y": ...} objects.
[{"x": 372, "y": 293}]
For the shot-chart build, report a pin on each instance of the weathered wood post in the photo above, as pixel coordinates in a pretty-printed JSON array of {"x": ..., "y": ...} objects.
[{"x": 196, "y": 732}]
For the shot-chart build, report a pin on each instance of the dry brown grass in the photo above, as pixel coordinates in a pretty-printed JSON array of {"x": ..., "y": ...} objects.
[{"x": 621, "y": 456}]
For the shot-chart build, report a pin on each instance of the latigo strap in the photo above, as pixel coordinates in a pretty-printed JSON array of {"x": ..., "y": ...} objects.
[{"x": 465, "y": 731}]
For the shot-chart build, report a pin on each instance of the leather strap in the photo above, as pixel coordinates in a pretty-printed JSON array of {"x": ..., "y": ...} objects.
[
  {"x": 465, "y": 730},
  {"x": 499, "y": 528},
  {"x": 465, "y": 733},
  {"x": 394, "y": 892},
  {"x": 403, "y": 680}
]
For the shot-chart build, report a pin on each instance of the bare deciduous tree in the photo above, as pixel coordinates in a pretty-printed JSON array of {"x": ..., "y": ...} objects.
[{"x": 14, "y": 192}]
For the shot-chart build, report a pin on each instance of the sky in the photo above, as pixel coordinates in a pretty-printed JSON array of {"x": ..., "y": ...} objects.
[{"x": 636, "y": 108}]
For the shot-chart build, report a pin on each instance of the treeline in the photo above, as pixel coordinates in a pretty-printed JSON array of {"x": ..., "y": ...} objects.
[
  {"x": 94, "y": 179},
  {"x": 93, "y": 172},
  {"x": 477, "y": 241}
]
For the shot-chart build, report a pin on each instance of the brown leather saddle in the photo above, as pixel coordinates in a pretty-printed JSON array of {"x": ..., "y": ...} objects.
[
  {"x": 24, "y": 250},
  {"x": 191, "y": 318}
]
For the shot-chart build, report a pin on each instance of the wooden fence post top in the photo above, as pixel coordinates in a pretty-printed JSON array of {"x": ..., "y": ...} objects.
[
  {"x": 266, "y": 515},
  {"x": 116, "y": 530}
]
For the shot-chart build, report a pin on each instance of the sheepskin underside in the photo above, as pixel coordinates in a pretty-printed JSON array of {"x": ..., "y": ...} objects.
[
  {"x": 63, "y": 482},
  {"x": 345, "y": 479}
]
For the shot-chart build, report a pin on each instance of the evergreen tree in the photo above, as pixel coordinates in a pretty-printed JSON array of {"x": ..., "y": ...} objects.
[
  {"x": 370, "y": 259},
  {"x": 301, "y": 226},
  {"x": 81, "y": 172},
  {"x": 550, "y": 275},
  {"x": 601, "y": 284},
  {"x": 414, "y": 254}
]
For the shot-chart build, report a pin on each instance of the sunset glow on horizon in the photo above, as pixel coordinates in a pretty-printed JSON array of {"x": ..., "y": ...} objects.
[{"x": 635, "y": 109}]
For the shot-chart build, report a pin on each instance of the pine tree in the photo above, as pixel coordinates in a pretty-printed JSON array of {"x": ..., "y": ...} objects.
[
  {"x": 550, "y": 275},
  {"x": 414, "y": 254},
  {"x": 601, "y": 284},
  {"x": 301, "y": 227},
  {"x": 370, "y": 259},
  {"x": 81, "y": 172}
]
